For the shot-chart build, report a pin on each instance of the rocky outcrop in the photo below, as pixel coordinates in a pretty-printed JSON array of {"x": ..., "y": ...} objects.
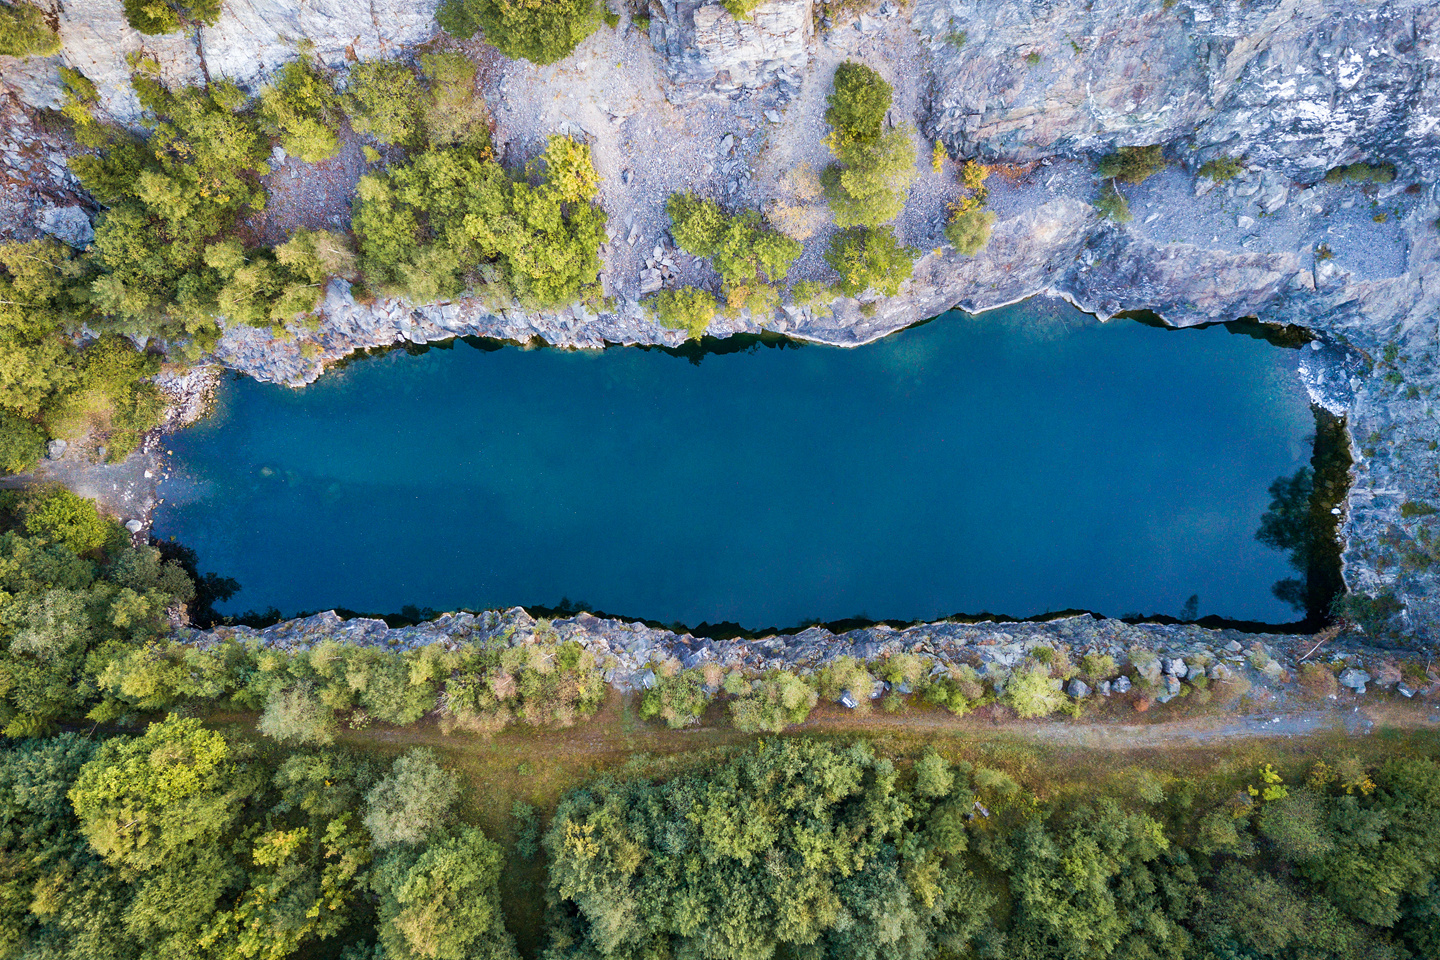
[
  {"x": 250, "y": 40},
  {"x": 708, "y": 51},
  {"x": 1293, "y": 85},
  {"x": 1159, "y": 657}
]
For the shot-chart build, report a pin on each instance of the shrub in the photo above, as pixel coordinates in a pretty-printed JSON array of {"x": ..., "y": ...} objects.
[
  {"x": 22, "y": 443},
  {"x": 24, "y": 32},
  {"x": 1318, "y": 681},
  {"x": 809, "y": 292},
  {"x": 384, "y": 100},
  {"x": 869, "y": 258},
  {"x": 1111, "y": 204},
  {"x": 938, "y": 156},
  {"x": 154, "y": 17},
  {"x": 741, "y": 9},
  {"x": 1223, "y": 168},
  {"x": 541, "y": 31},
  {"x": 1097, "y": 666},
  {"x": 1361, "y": 173},
  {"x": 412, "y": 801},
  {"x": 847, "y": 673},
  {"x": 1031, "y": 693},
  {"x": 874, "y": 168},
  {"x": 773, "y": 703},
  {"x": 302, "y": 109},
  {"x": 969, "y": 230},
  {"x": 678, "y": 700},
  {"x": 1133, "y": 165},
  {"x": 527, "y": 830},
  {"x": 687, "y": 308}
]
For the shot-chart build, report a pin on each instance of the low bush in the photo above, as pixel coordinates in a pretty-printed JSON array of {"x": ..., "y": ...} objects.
[
  {"x": 541, "y": 31},
  {"x": 772, "y": 703},
  {"x": 1361, "y": 172},
  {"x": 846, "y": 674},
  {"x": 1223, "y": 168},
  {"x": 454, "y": 115},
  {"x": 870, "y": 259},
  {"x": 1318, "y": 681},
  {"x": 1032, "y": 693},
  {"x": 1133, "y": 165},
  {"x": 679, "y": 699},
  {"x": 1111, "y": 204},
  {"x": 24, "y": 31},
  {"x": 686, "y": 308}
]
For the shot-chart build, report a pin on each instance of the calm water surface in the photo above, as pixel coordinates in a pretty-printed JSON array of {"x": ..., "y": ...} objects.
[{"x": 1022, "y": 461}]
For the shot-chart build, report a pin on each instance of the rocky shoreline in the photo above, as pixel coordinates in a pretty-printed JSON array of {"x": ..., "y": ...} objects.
[{"x": 1165, "y": 661}]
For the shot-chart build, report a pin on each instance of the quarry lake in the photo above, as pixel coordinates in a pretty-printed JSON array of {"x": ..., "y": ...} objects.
[{"x": 1026, "y": 460}]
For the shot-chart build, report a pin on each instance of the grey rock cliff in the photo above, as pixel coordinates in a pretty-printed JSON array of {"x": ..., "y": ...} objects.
[{"x": 1294, "y": 85}]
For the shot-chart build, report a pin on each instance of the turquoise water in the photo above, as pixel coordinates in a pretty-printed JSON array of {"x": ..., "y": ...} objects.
[{"x": 1023, "y": 461}]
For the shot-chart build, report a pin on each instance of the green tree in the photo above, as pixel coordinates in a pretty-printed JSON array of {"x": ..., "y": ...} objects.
[
  {"x": 302, "y": 109},
  {"x": 412, "y": 801},
  {"x": 867, "y": 185},
  {"x": 444, "y": 903},
  {"x": 146, "y": 799},
  {"x": 685, "y": 308},
  {"x": 24, "y": 32},
  {"x": 59, "y": 516},
  {"x": 870, "y": 259},
  {"x": 385, "y": 100},
  {"x": 154, "y": 17},
  {"x": 22, "y": 443},
  {"x": 542, "y": 31}
]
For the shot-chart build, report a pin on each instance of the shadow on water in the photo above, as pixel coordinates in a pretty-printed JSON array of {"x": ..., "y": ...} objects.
[{"x": 1302, "y": 520}]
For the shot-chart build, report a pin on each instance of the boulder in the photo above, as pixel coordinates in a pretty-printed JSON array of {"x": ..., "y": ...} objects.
[
  {"x": 55, "y": 449},
  {"x": 1354, "y": 679},
  {"x": 134, "y": 526},
  {"x": 647, "y": 679},
  {"x": 1120, "y": 685},
  {"x": 1103, "y": 688},
  {"x": 1078, "y": 689},
  {"x": 847, "y": 700},
  {"x": 69, "y": 225}
]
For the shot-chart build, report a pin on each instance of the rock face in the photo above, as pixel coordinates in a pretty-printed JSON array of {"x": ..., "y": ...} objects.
[
  {"x": 251, "y": 39},
  {"x": 709, "y": 52},
  {"x": 1295, "y": 85}
]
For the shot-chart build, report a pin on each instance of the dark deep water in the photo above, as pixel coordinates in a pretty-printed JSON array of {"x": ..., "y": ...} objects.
[{"x": 1019, "y": 462}]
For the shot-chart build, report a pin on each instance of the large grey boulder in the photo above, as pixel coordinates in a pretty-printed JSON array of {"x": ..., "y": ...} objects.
[
  {"x": 1120, "y": 685},
  {"x": 1354, "y": 679},
  {"x": 69, "y": 225},
  {"x": 1078, "y": 689}
]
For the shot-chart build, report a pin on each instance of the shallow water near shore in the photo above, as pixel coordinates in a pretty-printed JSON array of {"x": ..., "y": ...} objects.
[{"x": 1026, "y": 460}]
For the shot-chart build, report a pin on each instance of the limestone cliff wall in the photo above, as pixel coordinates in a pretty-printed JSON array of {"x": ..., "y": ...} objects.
[{"x": 1295, "y": 85}]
